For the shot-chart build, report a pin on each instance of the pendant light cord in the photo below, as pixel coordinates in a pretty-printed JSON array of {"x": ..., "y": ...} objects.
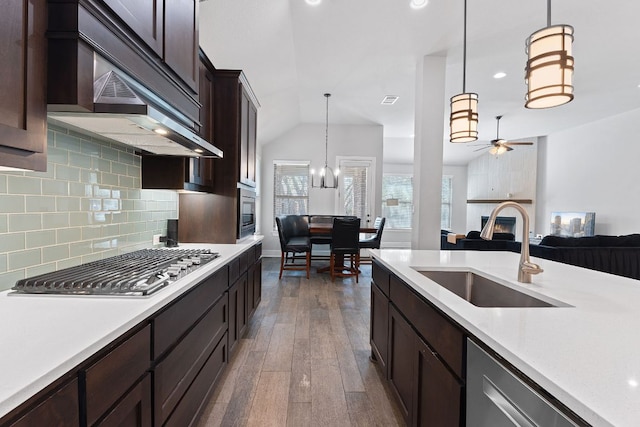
[
  {"x": 326, "y": 133},
  {"x": 548, "y": 13},
  {"x": 464, "y": 49}
]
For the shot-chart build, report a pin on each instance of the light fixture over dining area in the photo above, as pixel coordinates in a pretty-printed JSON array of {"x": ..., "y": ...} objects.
[
  {"x": 327, "y": 177},
  {"x": 463, "y": 122},
  {"x": 549, "y": 69}
]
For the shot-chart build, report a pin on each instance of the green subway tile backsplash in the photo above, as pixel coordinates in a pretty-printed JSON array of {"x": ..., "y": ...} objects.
[{"x": 87, "y": 206}]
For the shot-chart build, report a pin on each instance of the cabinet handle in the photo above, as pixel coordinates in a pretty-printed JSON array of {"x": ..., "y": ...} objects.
[{"x": 505, "y": 405}]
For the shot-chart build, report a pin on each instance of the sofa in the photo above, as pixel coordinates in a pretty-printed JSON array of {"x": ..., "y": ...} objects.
[
  {"x": 473, "y": 242},
  {"x": 618, "y": 255}
]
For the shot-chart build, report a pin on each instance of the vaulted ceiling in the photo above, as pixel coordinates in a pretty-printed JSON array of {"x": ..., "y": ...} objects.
[{"x": 362, "y": 50}]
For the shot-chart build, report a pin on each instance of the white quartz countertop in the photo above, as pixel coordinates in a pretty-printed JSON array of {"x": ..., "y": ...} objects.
[
  {"x": 586, "y": 355},
  {"x": 42, "y": 337}
]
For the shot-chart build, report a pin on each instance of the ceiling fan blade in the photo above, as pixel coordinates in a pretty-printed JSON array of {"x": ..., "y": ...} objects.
[
  {"x": 507, "y": 147},
  {"x": 481, "y": 148},
  {"x": 517, "y": 143}
]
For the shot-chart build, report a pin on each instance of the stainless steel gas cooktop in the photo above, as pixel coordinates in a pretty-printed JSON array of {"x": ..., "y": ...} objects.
[{"x": 137, "y": 273}]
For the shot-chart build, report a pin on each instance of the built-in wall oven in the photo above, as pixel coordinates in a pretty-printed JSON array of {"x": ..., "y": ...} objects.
[{"x": 246, "y": 212}]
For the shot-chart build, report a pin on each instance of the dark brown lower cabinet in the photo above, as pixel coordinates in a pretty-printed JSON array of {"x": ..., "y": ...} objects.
[
  {"x": 237, "y": 310},
  {"x": 379, "y": 326},
  {"x": 438, "y": 394},
  {"x": 60, "y": 408},
  {"x": 163, "y": 370},
  {"x": 134, "y": 410},
  {"x": 402, "y": 342},
  {"x": 174, "y": 375},
  {"x": 428, "y": 393}
]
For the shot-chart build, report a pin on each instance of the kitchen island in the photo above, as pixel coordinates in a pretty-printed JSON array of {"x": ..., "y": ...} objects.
[
  {"x": 584, "y": 351},
  {"x": 46, "y": 338}
]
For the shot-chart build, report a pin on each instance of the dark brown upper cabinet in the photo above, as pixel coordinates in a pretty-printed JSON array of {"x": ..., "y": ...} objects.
[
  {"x": 177, "y": 173},
  {"x": 154, "y": 41},
  {"x": 235, "y": 112},
  {"x": 23, "y": 113}
]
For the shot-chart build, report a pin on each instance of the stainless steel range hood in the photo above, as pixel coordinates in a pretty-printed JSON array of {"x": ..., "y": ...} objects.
[{"x": 125, "y": 115}]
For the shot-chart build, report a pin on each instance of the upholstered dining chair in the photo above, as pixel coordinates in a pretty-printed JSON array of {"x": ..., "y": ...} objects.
[
  {"x": 373, "y": 242},
  {"x": 293, "y": 231},
  {"x": 344, "y": 241}
]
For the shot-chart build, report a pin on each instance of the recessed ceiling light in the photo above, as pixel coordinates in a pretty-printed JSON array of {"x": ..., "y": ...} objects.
[
  {"x": 389, "y": 100},
  {"x": 499, "y": 75},
  {"x": 160, "y": 131},
  {"x": 418, "y": 4},
  {"x": 313, "y": 2}
]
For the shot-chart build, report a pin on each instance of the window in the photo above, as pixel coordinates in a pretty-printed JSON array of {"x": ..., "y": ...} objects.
[
  {"x": 447, "y": 198},
  {"x": 397, "y": 200},
  {"x": 290, "y": 188},
  {"x": 355, "y": 187}
]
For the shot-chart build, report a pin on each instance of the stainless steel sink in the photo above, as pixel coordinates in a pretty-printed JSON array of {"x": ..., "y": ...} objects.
[{"x": 483, "y": 292}]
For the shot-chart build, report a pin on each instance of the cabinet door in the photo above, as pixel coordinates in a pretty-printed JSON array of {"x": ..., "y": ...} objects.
[
  {"x": 205, "y": 96},
  {"x": 134, "y": 410},
  {"x": 250, "y": 289},
  {"x": 237, "y": 311},
  {"x": 402, "y": 341},
  {"x": 144, "y": 17},
  {"x": 438, "y": 394},
  {"x": 379, "y": 326},
  {"x": 257, "y": 284},
  {"x": 181, "y": 39},
  {"x": 251, "y": 143},
  {"x": 244, "y": 137},
  {"x": 23, "y": 120}
]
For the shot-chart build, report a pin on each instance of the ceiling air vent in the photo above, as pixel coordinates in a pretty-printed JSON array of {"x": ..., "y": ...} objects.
[{"x": 389, "y": 100}]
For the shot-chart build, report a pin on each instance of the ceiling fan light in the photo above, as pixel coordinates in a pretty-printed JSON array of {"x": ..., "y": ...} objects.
[
  {"x": 463, "y": 121},
  {"x": 549, "y": 69}
]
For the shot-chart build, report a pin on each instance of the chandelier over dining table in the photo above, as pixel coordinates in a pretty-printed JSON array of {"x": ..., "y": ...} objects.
[{"x": 327, "y": 177}]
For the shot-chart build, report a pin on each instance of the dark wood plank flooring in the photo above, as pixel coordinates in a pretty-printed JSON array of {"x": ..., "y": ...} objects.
[{"x": 305, "y": 358}]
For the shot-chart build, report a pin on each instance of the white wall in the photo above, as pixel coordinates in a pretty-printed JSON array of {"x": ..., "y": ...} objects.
[
  {"x": 459, "y": 193},
  {"x": 490, "y": 177},
  {"x": 593, "y": 168},
  {"x": 307, "y": 142}
]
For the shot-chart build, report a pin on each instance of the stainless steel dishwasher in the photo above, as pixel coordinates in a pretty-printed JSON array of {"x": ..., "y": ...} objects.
[{"x": 497, "y": 398}]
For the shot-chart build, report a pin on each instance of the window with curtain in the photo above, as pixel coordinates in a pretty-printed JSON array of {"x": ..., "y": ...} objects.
[
  {"x": 447, "y": 199},
  {"x": 290, "y": 188},
  {"x": 397, "y": 200},
  {"x": 355, "y": 190}
]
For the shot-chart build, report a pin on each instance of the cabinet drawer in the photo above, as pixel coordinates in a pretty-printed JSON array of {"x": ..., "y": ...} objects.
[
  {"x": 251, "y": 255},
  {"x": 173, "y": 376},
  {"x": 438, "y": 331},
  {"x": 173, "y": 322},
  {"x": 61, "y": 408},
  {"x": 195, "y": 399},
  {"x": 244, "y": 261},
  {"x": 258, "y": 251},
  {"x": 111, "y": 376},
  {"x": 234, "y": 270},
  {"x": 380, "y": 276}
]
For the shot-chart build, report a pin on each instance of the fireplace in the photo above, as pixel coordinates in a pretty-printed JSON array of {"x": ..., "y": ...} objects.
[{"x": 504, "y": 224}]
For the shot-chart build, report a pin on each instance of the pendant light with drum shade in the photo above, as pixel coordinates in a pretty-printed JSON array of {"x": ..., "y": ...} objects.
[
  {"x": 463, "y": 122},
  {"x": 549, "y": 69},
  {"x": 328, "y": 178}
]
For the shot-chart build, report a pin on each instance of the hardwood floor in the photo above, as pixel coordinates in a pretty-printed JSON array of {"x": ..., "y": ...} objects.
[{"x": 305, "y": 358}]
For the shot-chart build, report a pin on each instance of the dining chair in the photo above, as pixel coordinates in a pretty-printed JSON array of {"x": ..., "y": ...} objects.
[
  {"x": 293, "y": 231},
  {"x": 373, "y": 242},
  {"x": 345, "y": 241}
]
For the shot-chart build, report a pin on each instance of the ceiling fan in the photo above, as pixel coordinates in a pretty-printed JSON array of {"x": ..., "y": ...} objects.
[{"x": 498, "y": 145}]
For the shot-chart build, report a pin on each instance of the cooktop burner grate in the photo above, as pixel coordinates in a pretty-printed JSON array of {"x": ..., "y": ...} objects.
[{"x": 136, "y": 273}]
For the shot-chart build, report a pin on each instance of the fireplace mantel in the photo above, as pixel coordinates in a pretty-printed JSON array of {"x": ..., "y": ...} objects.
[{"x": 521, "y": 201}]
